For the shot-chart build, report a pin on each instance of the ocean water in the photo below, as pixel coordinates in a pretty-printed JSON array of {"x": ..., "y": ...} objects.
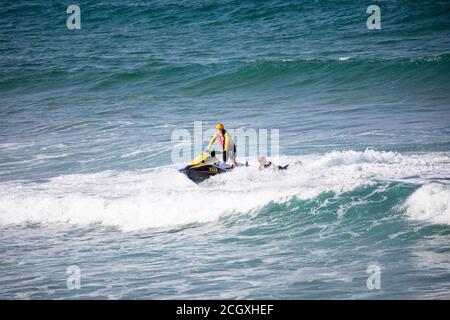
[{"x": 86, "y": 177}]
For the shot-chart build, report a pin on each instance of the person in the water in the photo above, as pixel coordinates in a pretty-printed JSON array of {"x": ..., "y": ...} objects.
[
  {"x": 264, "y": 164},
  {"x": 227, "y": 143}
]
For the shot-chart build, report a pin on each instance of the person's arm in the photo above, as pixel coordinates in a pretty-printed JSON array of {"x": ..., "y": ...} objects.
[
  {"x": 227, "y": 141},
  {"x": 225, "y": 146},
  {"x": 213, "y": 139}
]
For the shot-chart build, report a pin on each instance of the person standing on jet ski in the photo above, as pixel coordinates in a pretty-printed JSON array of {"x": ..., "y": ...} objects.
[{"x": 228, "y": 146}]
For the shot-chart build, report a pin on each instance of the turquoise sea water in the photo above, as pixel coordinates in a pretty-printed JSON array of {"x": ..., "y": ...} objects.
[{"x": 86, "y": 177}]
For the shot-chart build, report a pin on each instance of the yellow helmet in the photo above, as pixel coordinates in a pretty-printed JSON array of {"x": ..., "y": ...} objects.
[{"x": 219, "y": 126}]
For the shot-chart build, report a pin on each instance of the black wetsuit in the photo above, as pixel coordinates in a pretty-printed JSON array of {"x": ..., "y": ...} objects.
[{"x": 269, "y": 164}]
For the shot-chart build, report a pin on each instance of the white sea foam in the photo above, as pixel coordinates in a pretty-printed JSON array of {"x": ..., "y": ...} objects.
[
  {"x": 50, "y": 156},
  {"x": 430, "y": 202},
  {"x": 15, "y": 146},
  {"x": 164, "y": 197}
]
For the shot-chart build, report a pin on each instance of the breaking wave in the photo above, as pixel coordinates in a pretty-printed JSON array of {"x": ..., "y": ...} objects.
[{"x": 162, "y": 197}]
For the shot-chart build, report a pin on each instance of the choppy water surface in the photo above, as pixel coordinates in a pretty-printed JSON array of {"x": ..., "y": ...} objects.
[{"x": 86, "y": 118}]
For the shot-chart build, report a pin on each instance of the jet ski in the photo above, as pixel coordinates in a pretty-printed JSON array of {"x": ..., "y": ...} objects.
[{"x": 204, "y": 166}]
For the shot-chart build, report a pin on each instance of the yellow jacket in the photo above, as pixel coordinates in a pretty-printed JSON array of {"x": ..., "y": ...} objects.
[{"x": 227, "y": 145}]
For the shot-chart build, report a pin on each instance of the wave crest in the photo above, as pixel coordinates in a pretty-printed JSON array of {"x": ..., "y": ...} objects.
[
  {"x": 431, "y": 203},
  {"x": 164, "y": 197}
]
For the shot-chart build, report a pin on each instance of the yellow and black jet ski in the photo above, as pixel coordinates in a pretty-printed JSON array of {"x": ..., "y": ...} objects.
[{"x": 204, "y": 166}]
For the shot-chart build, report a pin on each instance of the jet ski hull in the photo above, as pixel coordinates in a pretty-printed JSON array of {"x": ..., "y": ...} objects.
[{"x": 199, "y": 174}]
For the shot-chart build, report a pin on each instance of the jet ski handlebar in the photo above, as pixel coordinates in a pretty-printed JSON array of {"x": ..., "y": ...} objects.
[{"x": 214, "y": 152}]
